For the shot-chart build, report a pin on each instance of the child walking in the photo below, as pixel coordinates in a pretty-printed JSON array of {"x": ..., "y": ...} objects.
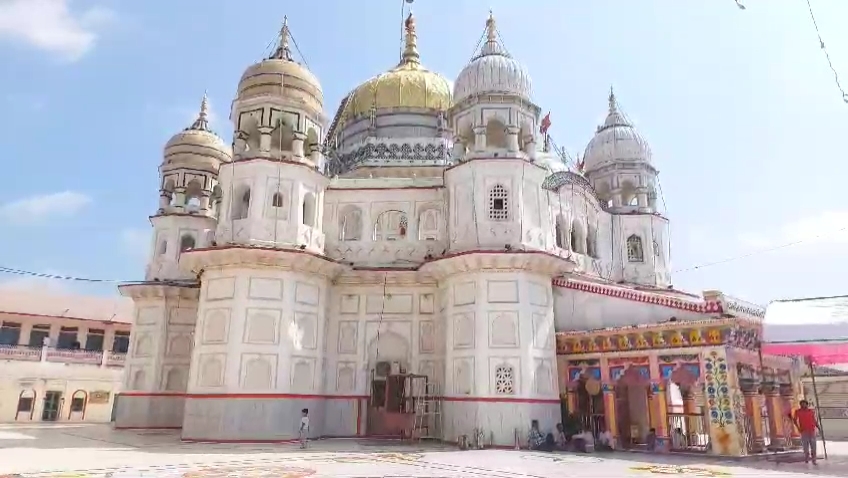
[{"x": 304, "y": 427}]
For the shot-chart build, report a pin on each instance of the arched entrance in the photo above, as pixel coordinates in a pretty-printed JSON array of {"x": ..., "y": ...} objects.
[
  {"x": 687, "y": 425},
  {"x": 632, "y": 407},
  {"x": 591, "y": 410},
  {"x": 388, "y": 361}
]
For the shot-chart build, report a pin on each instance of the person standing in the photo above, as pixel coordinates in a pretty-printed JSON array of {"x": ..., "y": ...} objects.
[
  {"x": 805, "y": 421},
  {"x": 304, "y": 427}
]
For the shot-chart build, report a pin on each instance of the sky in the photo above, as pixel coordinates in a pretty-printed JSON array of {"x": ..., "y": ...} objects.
[{"x": 742, "y": 112}]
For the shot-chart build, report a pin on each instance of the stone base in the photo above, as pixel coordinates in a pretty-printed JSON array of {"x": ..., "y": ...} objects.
[
  {"x": 498, "y": 419},
  {"x": 149, "y": 411},
  {"x": 258, "y": 419}
]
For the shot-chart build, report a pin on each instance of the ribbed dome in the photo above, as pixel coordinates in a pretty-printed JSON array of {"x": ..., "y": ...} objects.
[
  {"x": 408, "y": 85},
  {"x": 280, "y": 75},
  {"x": 493, "y": 70},
  {"x": 615, "y": 140},
  {"x": 197, "y": 143}
]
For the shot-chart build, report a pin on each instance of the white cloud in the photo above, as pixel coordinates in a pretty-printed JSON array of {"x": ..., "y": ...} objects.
[
  {"x": 50, "y": 25},
  {"x": 37, "y": 208},
  {"x": 827, "y": 228},
  {"x": 136, "y": 242}
]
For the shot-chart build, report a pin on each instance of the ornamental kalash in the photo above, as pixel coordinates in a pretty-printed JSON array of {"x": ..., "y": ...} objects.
[{"x": 426, "y": 265}]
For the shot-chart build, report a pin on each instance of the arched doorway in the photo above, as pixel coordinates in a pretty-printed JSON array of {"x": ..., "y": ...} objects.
[
  {"x": 687, "y": 425},
  {"x": 388, "y": 362},
  {"x": 590, "y": 411},
  {"x": 633, "y": 411}
]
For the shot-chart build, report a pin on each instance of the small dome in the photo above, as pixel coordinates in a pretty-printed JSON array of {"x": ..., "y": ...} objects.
[
  {"x": 280, "y": 75},
  {"x": 493, "y": 70},
  {"x": 197, "y": 143},
  {"x": 408, "y": 85},
  {"x": 615, "y": 140}
]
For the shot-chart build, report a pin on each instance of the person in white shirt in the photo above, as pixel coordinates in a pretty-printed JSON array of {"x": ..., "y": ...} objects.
[
  {"x": 605, "y": 440},
  {"x": 304, "y": 427}
]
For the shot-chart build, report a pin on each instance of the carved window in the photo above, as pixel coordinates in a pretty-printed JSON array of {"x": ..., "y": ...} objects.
[
  {"x": 187, "y": 242},
  {"x": 592, "y": 241},
  {"x": 241, "y": 203},
  {"x": 504, "y": 380},
  {"x": 391, "y": 226},
  {"x": 578, "y": 240},
  {"x": 277, "y": 200},
  {"x": 350, "y": 224},
  {"x": 498, "y": 203},
  {"x": 309, "y": 210},
  {"x": 559, "y": 234},
  {"x": 634, "y": 249},
  {"x": 193, "y": 193},
  {"x": 428, "y": 225}
]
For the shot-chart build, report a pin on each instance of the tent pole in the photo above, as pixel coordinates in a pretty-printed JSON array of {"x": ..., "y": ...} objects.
[{"x": 818, "y": 414}]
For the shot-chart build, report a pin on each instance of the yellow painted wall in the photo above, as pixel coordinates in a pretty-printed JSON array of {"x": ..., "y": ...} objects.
[{"x": 66, "y": 378}]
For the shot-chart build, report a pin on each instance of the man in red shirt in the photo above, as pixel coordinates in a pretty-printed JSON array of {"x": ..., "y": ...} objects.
[{"x": 805, "y": 420}]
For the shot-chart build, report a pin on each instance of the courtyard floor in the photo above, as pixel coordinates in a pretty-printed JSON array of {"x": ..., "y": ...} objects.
[{"x": 94, "y": 451}]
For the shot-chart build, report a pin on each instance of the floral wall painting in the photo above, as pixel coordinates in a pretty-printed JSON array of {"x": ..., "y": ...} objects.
[{"x": 719, "y": 394}]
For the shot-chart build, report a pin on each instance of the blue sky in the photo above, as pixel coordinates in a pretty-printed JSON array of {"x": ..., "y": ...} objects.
[{"x": 740, "y": 107}]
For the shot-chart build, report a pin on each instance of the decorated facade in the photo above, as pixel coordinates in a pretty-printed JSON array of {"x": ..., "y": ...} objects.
[{"x": 422, "y": 231}]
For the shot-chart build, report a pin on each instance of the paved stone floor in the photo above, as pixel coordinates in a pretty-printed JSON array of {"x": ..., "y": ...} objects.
[{"x": 95, "y": 451}]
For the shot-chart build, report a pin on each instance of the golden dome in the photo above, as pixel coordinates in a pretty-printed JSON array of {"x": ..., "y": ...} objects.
[
  {"x": 197, "y": 144},
  {"x": 408, "y": 85},
  {"x": 280, "y": 75}
]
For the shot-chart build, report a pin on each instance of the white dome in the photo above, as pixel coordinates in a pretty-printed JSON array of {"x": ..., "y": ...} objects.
[
  {"x": 615, "y": 140},
  {"x": 197, "y": 144},
  {"x": 492, "y": 71}
]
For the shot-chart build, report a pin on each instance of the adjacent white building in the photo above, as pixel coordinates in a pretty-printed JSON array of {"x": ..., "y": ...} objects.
[{"x": 419, "y": 229}]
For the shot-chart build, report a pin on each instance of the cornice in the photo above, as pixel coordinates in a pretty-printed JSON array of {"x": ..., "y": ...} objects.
[
  {"x": 538, "y": 262},
  {"x": 183, "y": 290},
  {"x": 385, "y": 276},
  {"x": 283, "y": 259},
  {"x": 618, "y": 292}
]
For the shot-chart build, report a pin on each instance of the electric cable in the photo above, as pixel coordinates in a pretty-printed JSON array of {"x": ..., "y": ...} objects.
[{"x": 826, "y": 54}]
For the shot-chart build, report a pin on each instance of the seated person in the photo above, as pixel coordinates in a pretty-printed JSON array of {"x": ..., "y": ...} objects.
[
  {"x": 535, "y": 440},
  {"x": 583, "y": 441},
  {"x": 604, "y": 442},
  {"x": 651, "y": 439},
  {"x": 560, "y": 440}
]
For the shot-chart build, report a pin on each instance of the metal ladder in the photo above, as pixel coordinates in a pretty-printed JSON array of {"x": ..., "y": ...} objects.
[{"x": 427, "y": 423}]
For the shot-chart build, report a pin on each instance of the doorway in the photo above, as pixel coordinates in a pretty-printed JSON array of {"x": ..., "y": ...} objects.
[{"x": 52, "y": 406}]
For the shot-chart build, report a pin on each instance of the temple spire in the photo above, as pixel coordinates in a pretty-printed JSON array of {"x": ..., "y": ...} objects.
[
  {"x": 410, "y": 50},
  {"x": 613, "y": 104},
  {"x": 283, "y": 52},
  {"x": 492, "y": 46},
  {"x": 202, "y": 121},
  {"x": 491, "y": 28}
]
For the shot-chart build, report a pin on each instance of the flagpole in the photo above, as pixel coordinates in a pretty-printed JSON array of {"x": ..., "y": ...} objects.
[{"x": 818, "y": 409}]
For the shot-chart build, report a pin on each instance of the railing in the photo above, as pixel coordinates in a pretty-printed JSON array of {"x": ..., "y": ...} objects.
[
  {"x": 688, "y": 432},
  {"x": 23, "y": 353},
  {"x": 595, "y": 423}
]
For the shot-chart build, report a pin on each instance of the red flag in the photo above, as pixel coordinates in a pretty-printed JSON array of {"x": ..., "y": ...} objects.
[{"x": 546, "y": 123}]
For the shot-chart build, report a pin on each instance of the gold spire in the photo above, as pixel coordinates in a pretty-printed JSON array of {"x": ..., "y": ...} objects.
[
  {"x": 283, "y": 52},
  {"x": 202, "y": 121},
  {"x": 410, "y": 51}
]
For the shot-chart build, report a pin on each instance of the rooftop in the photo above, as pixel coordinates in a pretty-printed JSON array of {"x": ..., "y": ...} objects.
[{"x": 57, "y": 305}]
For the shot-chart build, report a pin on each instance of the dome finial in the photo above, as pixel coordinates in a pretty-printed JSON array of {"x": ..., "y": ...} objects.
[
  {"x": 202, "y": 121},
  {"x": 283, "y": 52},
  {"x": 613, "y": 105},
  {"x": 491, "y": 28},
  {"x": 410, "y": 51}
]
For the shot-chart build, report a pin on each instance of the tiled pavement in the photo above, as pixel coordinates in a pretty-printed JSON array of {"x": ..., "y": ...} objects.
[{"x": 94, "y": 451}]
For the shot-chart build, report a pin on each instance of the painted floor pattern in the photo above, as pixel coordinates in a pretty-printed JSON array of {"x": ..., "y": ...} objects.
[{"x": 99, "y": 452}]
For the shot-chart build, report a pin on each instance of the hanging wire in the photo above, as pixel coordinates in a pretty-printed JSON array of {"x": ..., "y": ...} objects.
[
  {"x": 299, "y": 53},
  {"x": 826, "y": 54}
]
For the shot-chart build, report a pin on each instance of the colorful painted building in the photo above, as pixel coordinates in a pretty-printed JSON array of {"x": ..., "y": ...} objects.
[{"x": 697, "y": 383}]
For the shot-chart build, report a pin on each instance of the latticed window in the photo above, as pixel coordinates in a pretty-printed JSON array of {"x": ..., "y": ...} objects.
[
  {"x": 635, "y": 252},
  {"x": 498, "y": 203},
  {"x": 504, "y": 380}
]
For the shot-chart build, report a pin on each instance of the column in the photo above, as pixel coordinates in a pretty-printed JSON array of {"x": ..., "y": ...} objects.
[
  {"x": 571, "y": 399},
  {"x": 610, "y": 417},
  {"x": 790, "y": 404},
  {"x": 265, "y": 138},
  {"x": 479, "y": 138},
  {"x": 775, "y": 411},
  {"x": 659, "y": 414},
  {"x": 690, "y": 411},
  {"x": 512, "y": 138},
  {"x": 753, "y": 406},
  {"x": 297, "y": 144}
]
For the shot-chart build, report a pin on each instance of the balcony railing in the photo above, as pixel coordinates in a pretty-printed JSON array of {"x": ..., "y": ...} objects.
[{"x": 24, "y": 353}]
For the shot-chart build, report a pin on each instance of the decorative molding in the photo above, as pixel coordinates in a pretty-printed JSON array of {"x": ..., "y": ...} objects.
[{"x": 701, "y": 307}]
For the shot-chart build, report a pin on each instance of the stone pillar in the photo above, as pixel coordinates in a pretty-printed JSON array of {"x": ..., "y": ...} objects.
[
  {"x": 690, "y": 410},
  {"x": 297, "y": 144},
  {"x": 616, "y": 198},
  {"x": 659, "y": 414},
  {"x": 458, "y": 152},
  {"x": 571, "y": 399},
  {"x": 790, "y": 404},
  {"x": 204, "y": 201},
  {"x": 512, "y": 138},
  {"x": 775, "y": 411},
  {"x": 722, "y": 386},
  {"x": 479, "y": 138},
  {"x": 753, "y": 407},
  {"x": 610, "y": 417},
  {"x": 265, "y": 138}
]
